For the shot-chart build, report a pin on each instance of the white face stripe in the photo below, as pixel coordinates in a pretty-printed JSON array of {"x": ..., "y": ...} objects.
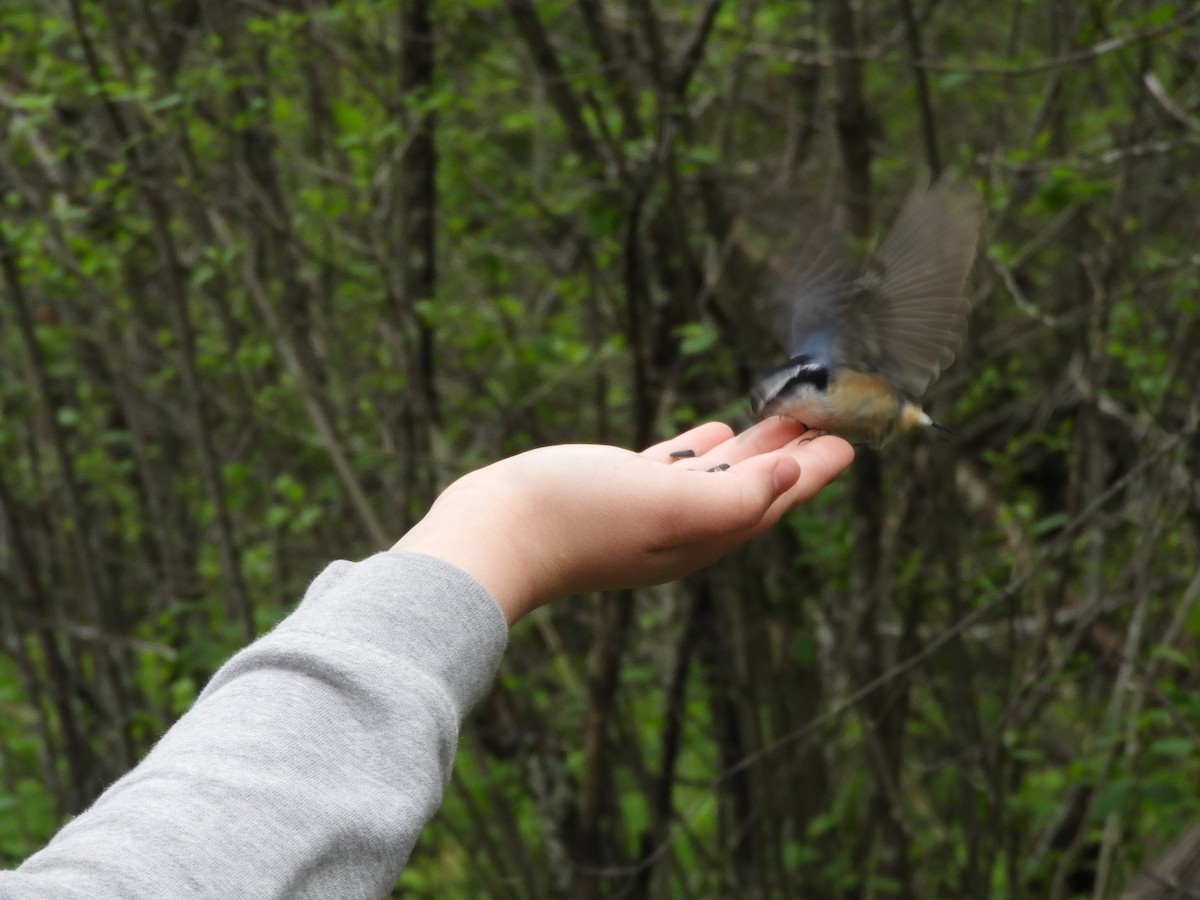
[
  {"x": 775, "y": 382},
  {"x": 789, "y": 380}
]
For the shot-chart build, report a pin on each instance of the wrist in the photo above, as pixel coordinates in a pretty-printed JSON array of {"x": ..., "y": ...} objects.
[{"x": 487, "y": 544}]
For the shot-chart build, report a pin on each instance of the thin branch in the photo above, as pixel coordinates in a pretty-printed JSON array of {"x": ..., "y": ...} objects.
[
  {"x": 558, "y": 88},
  {"x": 1066, "y": 60},
  {"x": 1168, "y": 104},
  {"x": 311, "y": 394}
]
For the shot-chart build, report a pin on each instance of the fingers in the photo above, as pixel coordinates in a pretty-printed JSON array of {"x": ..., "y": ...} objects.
[
  {"x": 756, "y": 492},
  {"x": 821, "y": 460},
  {"x": 695, "y": 442},
  {"x": 697, "y": 506},
  {"x": 757, "y": 476},
  {"x": 771, "y": 434},
  {"x": 764, "y": 437},
  {"x": 714, "y": 443}
]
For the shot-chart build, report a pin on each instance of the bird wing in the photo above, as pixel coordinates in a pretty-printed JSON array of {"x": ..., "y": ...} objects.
[
  {"x": 816, "y": 296},
  {"x": 908, "y": 314}
]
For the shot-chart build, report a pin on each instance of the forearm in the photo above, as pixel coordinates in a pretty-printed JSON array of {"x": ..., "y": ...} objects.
[{"x": 309, "y": 764}]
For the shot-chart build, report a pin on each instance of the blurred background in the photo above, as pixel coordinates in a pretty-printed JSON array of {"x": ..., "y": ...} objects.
[{"x": 275, "y": 273}]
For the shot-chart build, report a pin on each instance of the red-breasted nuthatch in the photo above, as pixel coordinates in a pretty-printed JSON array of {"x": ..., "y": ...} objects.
[{"x": 865, "y": 347}]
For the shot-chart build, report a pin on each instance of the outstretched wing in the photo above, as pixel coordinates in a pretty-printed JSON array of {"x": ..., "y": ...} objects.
[
  {"x": 816, "y": 295},
  {"x": 910, "y": 313}
]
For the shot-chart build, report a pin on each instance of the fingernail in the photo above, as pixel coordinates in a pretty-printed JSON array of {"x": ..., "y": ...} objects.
[
  {"x": 682, "y": 454},
  {"x": 721, "y": 468}
]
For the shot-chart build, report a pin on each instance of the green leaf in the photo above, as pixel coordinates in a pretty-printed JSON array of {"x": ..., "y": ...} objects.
[
  {"x": 1115, "y": 796},
  {"x": 696, "y": 338},
  {"x": 1160, "y": 15},
  {"x": 1174, "y": 746}
]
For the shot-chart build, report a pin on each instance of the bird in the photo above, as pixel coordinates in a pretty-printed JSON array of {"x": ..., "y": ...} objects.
[{"x": 866, "y": 346}]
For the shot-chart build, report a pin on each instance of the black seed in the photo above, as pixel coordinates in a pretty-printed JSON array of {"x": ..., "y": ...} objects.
[
  {"x": 682, "y": 454},
  {"x": 721, "y": 468}
]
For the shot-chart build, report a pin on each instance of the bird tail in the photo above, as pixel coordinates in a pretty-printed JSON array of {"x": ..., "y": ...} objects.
[
  {"x": 941, "y": 429},
  {"x": 912, "y": 416}
]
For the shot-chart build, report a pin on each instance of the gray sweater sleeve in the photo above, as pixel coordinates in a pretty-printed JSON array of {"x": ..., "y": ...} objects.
[{"x": 310, "y": 762}]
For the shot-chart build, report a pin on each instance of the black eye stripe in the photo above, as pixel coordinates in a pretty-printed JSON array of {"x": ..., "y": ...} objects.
[
  {"x": 775, "y": 387},
  {"x": 817, "y": 376}
]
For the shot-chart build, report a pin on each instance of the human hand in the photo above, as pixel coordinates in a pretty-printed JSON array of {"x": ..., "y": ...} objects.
[{"x": 581, "y": 517}]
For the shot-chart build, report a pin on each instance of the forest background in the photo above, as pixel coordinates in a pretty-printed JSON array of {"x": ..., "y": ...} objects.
[{"x": 273, "y": 274}]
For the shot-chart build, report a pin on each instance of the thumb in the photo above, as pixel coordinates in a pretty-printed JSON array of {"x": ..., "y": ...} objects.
[
  {"x": 737, "y": 499},
  {"x": 784, "y": 474}
]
